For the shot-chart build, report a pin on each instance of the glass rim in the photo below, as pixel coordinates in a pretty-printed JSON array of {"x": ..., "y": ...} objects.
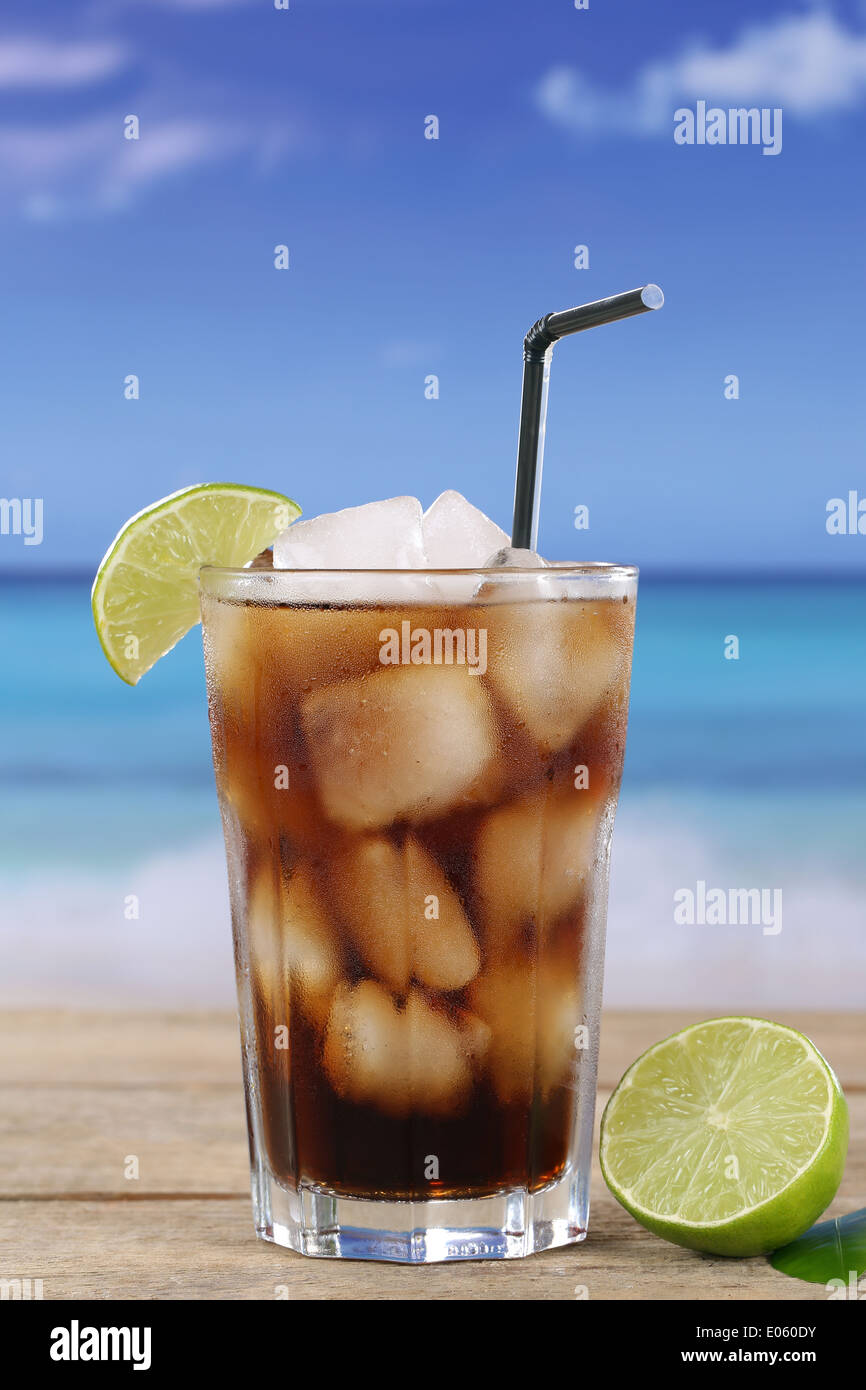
[{"x": 597, "y": 569}]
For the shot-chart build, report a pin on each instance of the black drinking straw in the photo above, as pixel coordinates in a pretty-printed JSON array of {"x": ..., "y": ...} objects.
[{"x": 537, "y": 353}]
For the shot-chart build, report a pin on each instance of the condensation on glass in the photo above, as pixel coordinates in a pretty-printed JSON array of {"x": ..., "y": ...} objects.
[{"x": 418, "y": 775}]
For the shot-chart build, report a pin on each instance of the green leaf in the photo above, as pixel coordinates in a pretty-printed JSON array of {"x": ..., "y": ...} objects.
[{"x": 831, "y": 1250}]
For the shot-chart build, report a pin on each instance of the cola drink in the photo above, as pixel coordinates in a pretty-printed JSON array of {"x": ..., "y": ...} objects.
[{"x": 418, "y": 788}]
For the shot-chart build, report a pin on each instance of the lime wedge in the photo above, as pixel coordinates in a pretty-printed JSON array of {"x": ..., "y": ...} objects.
[
  {"x": 145, "y": 595},
  {"x": 728, "y": 1137}
]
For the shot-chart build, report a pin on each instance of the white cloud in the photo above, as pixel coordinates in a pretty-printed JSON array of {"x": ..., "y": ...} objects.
[
  {"x": 55, "y": 165},
  {"x": 172, "y": 146},
  {"x": 807, "y": 64},
  {"x": 41, "y": 63},
  {"x": 71, "y": 168}
]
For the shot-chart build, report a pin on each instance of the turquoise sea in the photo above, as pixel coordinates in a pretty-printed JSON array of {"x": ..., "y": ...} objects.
[{"x": 740, "y": 773}]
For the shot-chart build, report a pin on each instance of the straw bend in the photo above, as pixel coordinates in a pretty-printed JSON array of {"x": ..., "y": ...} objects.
[
  {"x": 537, "y": 353},
  {"x": 548, "y": 330}
]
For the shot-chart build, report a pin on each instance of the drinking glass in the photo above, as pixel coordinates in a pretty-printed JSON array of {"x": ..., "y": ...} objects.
[{"x": 418, "y": 773}]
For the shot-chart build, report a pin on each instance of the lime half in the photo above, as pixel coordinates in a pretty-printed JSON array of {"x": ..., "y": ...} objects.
[
  {"x": 145, "y": 595},
  {"x": 728, "y": 1137}
]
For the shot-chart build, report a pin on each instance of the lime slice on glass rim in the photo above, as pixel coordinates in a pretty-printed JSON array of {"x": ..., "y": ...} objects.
[
  {"x": 145, "y": 595},
  {"x": 728, "y": 1137}
]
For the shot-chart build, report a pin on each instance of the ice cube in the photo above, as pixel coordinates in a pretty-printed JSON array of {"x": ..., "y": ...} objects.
[
  {"x": 445, "y": 954},
  {"x": 403, "y": 915},
  {"x": 503, "y": 996},
  {"x": 365, "y": 1052},
  {"x": 508, "y": 588},
  {"x": 440, "y": 1078},
  {"x": 556, "y": 660},
  {"x": 407, "y": 743},
  {"x": 293, "y": 950},
  {"x": 509, "y": 558},
  {"x": 299, "y": 648},
  {"x": 368, "y": 886},
  {"x": 309, "y": 945},
  {"x": 400, "y": 1060},
  {"x": 533, "y": 858},
  {"x": 475, "y": 1037},
  {"x": 377, "y": 535},
  {"x": 458, "y": 535},
  {"x": 532, "y": 1011}
]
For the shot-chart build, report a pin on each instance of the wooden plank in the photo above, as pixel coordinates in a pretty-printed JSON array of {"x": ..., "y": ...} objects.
[
  {"x": 185, "y": 1138},
  {"x": 78, "y": 1093},
  {"x": 118, "y": 1049},
  {"x": 125, "y": 1049},
  {"x": 197, "y": 1249},
  {"x": 188, "y": 1139},
  {"x": 840, "y": 1036}
]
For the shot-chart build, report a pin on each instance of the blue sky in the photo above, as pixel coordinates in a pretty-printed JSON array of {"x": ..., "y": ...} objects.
[{"x": 412, "y": 257}]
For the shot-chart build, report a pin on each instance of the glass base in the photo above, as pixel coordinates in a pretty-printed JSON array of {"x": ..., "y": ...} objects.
[{"x": 507, "y": 1225}]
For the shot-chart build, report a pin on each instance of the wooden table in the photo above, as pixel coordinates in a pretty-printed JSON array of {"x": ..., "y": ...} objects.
[{"x": 83, "y": 1093}]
